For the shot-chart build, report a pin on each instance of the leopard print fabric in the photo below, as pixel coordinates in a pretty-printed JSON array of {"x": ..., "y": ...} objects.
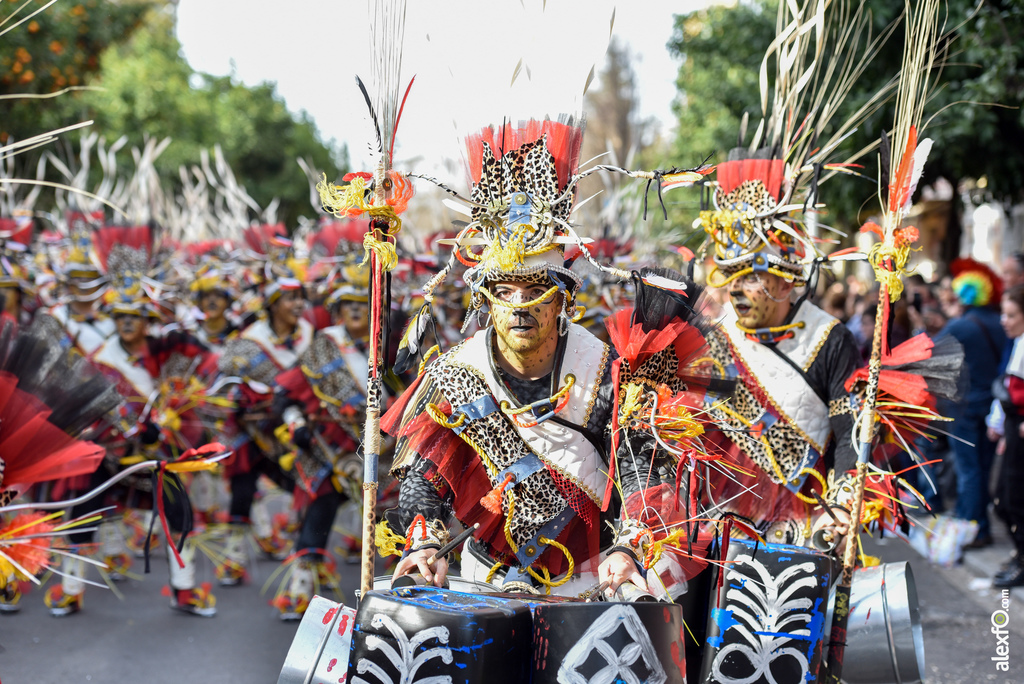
[
  {"x": 788, "y": 448},
  {"x": 748, "y": 194},
  {"x": 238, "y": 359},
  {"x": 338, "y": 384},
  {"x": 537, "y": 499},
  {"x": 530, "y": 168},
  {"x": 177, "y": 366},
  {"x": 46, "y": 325}
]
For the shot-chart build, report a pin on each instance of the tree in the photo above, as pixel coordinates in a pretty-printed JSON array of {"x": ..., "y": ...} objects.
[
  {"x": 149, "y": 89},
  {"x": 617, "y": 133},
  {"x": 57, "y": 49},
  {"x": 145, "y": 88},
  {"x": 721, "y": 49}
]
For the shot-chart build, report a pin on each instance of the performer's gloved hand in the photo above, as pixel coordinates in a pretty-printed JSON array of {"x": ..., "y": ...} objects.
[
  {"x": 617, "y": 568},
  {"x": 150, "y": 433},
  {"x": 434, "y": 573},
  {"x": 302, "y": 438}
]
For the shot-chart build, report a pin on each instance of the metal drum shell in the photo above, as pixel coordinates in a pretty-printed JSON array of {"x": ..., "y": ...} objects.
[
  {"x": 311, "y": 637},
  {"x": 884, "y": 612}
]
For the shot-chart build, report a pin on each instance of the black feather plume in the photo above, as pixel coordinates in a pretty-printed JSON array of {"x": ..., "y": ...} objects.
[{"x": 373, "y": 115}]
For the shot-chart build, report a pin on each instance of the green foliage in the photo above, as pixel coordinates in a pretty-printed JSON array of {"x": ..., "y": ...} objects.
[
  {"x": 56, "y": 49},
  {"x": 146, "y": 88},
  {"x": 149, "y": 89},
  {"x": 721, "y": 50}
]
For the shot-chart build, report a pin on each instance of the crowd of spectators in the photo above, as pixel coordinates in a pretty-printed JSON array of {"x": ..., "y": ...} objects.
[{"x": 979, "y": 452}]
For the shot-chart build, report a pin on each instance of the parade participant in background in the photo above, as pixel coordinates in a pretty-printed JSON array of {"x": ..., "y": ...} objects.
[
  {"x": 322, "y": 402},
  {"x": 512, "y": 428},
  {"x": 146, "y": 370},
  {"x": 79, "y": 322},
  {"x": 977, "y": 328},
  {"x": 14, "y": 286},
  {"x": 1009, "y": 497},
  {"x": 214, "y": 292},
  {"x": 257, "y": 356},
  {"x": 790, "y": 417}
]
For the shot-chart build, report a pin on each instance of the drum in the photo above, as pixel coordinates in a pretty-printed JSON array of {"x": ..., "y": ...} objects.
[
  {"x": 576, "y": 642},
  {"x": 884, "y": 641},
  {"x": 768, "y": 615},
  {"x": 319, "y": 651},
  {"x": 430, "y": 634}
]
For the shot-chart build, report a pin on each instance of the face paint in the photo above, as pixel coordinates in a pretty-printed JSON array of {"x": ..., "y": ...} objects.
[
  {"x": 213, "y": 304},
  {"x": 529, "y": 335},
  {"x": 130, "y": 329},
  {"x": 355, "y": 316},
  {"x": 754, "y": 296}
]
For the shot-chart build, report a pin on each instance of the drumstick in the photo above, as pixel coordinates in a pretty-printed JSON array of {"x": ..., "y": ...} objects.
[
  {"x": 828, "y": 509},
  {"x": 453, "y": 544}
]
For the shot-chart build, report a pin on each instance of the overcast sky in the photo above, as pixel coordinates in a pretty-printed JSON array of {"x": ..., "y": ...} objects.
[{"x": 462, "y": 52}]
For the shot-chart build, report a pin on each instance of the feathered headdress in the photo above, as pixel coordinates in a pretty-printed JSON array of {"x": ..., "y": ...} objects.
[
  {"x": 125, "y": 254},
  {"x": 525, "y": 178},
  {"x": 522, "y": 198},
  {"x": 764, "y": 206}
]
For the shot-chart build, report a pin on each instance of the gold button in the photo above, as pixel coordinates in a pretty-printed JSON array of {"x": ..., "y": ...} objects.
[{"x": 520, "y": 198}]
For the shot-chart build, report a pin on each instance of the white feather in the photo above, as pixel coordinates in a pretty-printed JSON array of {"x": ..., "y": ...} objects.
[{"x": 924, "y": 147}]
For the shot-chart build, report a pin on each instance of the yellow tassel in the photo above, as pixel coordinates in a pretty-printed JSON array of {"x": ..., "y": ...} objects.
[{"x": 388, "y": 542}]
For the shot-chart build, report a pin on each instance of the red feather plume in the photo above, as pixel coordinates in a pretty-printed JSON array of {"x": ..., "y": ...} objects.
[
  {"x": 769, "y": 171},
  {"x": 564, "y": 141},
  {"x": 33, "y": 553},
  {"x": 260, "y": 238},
  {"x": 327, "y": 238},
  {"x": 900, "y": 185},
  {"x": 136, "y": 237}
]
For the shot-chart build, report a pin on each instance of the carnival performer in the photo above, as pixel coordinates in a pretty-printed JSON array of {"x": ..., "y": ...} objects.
[
  {"x": 14, "y": 287},
  {"x": 79, "y": 322},
  {"x": 147, "y": 370},
  {"x": 214, "y": 292},
  {"x": 512, "y": 428},
  {"x": 323, "y": 406},
  {"x": 268, "y": 347},
  {"x": 790, "y": 416}
]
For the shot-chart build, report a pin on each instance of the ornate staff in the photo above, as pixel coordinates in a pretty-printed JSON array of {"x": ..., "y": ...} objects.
[
  {"x": 382, "y": 196},
  {"x": 888, "y": 258}
]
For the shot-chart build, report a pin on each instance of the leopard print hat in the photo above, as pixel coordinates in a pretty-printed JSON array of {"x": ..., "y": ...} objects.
[
  {"x": 523, "y": 195},
  {"x": 751, "y": 229}
]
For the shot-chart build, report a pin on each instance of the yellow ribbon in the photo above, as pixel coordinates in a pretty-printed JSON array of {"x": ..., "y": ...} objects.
[{"x": 389, "y": 542}]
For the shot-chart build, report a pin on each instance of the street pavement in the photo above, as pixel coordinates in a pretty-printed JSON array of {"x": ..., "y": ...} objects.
[{"x": 139, "y": 640}]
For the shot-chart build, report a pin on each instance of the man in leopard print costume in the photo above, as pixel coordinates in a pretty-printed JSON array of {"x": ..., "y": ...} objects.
[
  {"x": 511, "y": 428},
  {"x": 789, "y": 422}
]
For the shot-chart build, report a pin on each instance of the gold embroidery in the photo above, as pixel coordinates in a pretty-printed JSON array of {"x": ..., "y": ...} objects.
[
  {"x": 597, "y": 384},
  {"x": 821, "y": 343}
]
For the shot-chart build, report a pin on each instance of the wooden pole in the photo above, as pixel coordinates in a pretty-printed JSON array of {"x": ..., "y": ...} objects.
[
  {"x": 374, "y": 390},
  {"x": 841, "y": 613}
]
